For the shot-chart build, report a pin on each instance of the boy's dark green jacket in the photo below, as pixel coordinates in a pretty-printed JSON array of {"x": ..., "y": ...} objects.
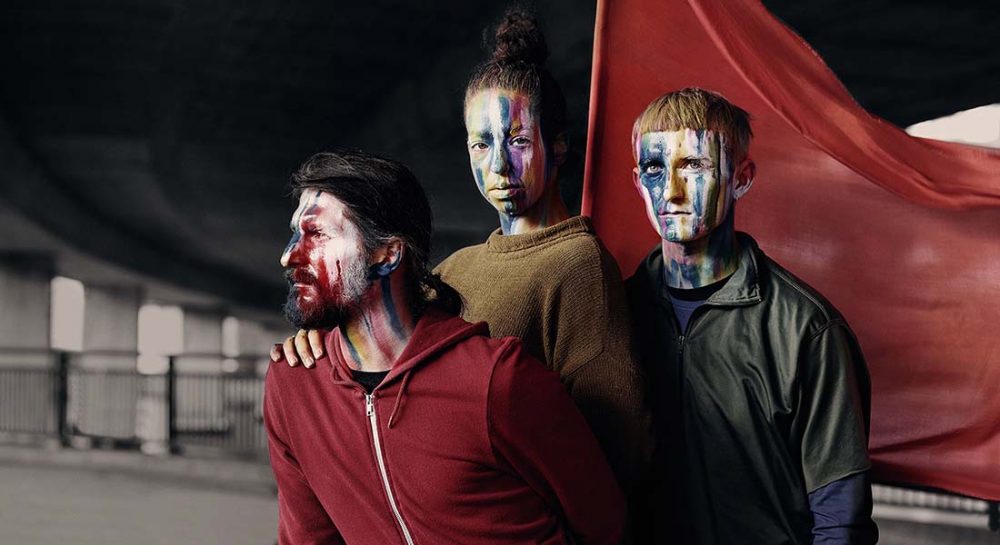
[{"x": 763, "y": 399}]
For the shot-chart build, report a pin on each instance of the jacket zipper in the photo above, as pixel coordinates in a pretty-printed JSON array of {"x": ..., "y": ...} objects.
[
  {"x": 687, "y": 331},
  {"x": 373, "y": 420},
  {"x": 682, "y": 339}
]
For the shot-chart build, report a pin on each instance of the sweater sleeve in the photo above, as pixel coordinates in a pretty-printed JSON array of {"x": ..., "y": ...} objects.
[
  {"x": 536, "y": 430},
  {"x": 301, "y": 518},
  {"x": 607, "y": 384}
]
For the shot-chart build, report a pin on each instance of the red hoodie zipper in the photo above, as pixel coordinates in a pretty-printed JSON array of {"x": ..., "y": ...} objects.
[{"x": 373, "y": 420}]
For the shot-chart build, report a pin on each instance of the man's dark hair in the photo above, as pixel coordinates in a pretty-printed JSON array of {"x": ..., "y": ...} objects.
[{"x": 385, "y": 201}]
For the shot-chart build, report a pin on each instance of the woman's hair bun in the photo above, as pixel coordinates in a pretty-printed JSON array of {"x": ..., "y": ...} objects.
[{"x": 518, "y": 38}]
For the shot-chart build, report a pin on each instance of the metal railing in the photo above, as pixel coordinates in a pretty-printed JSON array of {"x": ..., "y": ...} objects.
[
  {"x": 939, "y": 501},
  {"x": 28, "y": 399},
  {"x": 213, "y": 412},
  {"x": 169, "y": 411}
]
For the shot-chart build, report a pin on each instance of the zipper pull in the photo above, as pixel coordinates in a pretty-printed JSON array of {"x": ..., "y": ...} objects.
[{"x": 369, "y": 405}]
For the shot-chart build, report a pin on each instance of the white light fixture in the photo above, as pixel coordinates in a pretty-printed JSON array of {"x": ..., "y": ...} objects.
[
  {"x": 161, "y": 330},
  {"x": 979, "y": 126},
  {"x": 66, "y": 331}
]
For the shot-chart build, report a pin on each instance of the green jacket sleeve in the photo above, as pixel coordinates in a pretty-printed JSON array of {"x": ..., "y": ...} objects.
[{"x": 831, "y": 422}]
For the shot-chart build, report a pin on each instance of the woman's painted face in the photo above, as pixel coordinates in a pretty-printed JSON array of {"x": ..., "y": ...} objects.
[
  {"x": 508, "y": 157},
  {"x": 685, "y": 177}
]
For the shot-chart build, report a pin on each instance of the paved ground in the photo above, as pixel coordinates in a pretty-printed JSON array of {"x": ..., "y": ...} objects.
[
  {"x": 53, "y": 496},
  {"x": 48, "y": 506},
  {"x": 894, "y": 532}
]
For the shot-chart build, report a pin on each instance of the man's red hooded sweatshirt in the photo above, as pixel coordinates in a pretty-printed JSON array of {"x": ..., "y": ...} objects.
[{"x": 467, "y": 440}]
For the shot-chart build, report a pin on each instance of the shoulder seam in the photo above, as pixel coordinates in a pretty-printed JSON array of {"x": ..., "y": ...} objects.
[
  {"x": 596, "y": 247},
  {"x": 587, "y": 363},
  {"x": 787, "y": 280},
  {"x": 463, "y": 250},
  {"x": 826, "y": 327}
]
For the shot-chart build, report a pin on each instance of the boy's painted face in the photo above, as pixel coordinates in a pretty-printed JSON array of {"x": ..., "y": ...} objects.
[
  {"x": 325, "y": 262},
  {"x": 685, "y": 177},
  {"x": 508, "y": 156}
]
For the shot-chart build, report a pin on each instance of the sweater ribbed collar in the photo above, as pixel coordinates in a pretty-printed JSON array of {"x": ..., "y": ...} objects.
[{"x": 499, "y": 242}]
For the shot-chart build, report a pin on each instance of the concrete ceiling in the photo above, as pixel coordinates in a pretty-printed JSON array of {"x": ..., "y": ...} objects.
[{"x": 157, "y": 136}]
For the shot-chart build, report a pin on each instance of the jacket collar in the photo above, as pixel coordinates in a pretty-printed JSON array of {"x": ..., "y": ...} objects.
[
  {"x": 435, "y": 332},
  {"x": 742, "y": 288}
]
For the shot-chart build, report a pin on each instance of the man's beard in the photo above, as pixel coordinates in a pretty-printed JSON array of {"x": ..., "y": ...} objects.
[{"x": 332, "y": 303}]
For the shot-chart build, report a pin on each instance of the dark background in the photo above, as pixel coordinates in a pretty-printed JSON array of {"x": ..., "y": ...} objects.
[{"x": 150, "y": 142}]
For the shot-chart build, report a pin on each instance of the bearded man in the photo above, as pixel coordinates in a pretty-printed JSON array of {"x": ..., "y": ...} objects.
[{"x": 424, "y": 430}]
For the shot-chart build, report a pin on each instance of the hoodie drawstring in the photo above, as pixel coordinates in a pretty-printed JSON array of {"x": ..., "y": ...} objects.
[{"x": 399, "y": 397}]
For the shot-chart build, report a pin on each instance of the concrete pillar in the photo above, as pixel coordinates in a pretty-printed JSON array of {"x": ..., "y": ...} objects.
[
  {"x": 25, "y": 302},
  {"x": 200, "y": 387},
  {"x": 104, "y": 387},
  {"x": 27, "y": 399},
  {"x": 202, "y": 346},
  {"x": 110, "y": 327},
  {"x": 256, "y": 343}
]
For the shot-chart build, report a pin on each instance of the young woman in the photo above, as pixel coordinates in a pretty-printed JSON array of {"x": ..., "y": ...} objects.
[{"x": 542, "y": 276}]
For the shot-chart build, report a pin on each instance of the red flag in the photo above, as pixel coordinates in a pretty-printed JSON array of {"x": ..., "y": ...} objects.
[{"x": 902, "y": 234}]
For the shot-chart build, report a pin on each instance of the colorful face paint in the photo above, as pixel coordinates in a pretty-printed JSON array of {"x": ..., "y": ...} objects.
[
  {"x": 686, "y": 180},
  {"x": 378, "y": 332},
  {"x": 685, "y": 177},
  {"x": 325, "y": 264},
  {"x": 703, "y": 262},
  {"x": 331, "y": 285},
  {"x": 510, "y": 163}
]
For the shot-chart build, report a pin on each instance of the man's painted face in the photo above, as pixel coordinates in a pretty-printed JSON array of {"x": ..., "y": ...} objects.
[
  {"x": 685, "y": 177},
  {"x": 508, "y": 157},
  {"x": 325, "y": 262}
]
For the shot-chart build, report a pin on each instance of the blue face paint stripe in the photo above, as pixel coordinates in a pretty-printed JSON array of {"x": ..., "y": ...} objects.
[
  {"x": 699, "y": 201},
  {"x": 368, "y": 323},
  {"x": 390, "y": 308},
  {"x": 499, "y": 146},
  {"x": 296, "y": 220},
  {"x": 504, "y": 117},
  {"x": 296, "y": 237},
  {"x": 652, "y": 182},
  {"x": 506, "y": 223},
  {"x": 314, "y": 204}
]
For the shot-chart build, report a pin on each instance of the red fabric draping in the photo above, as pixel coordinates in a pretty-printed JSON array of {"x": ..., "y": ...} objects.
[{"x": 902, "y": 234}]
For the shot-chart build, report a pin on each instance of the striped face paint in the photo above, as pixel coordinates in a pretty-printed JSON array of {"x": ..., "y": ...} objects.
[
  {"x": 685, "y": 177},
  {"x": 382, "y": 325},
  {"x": 506, "y": 151},
  {"x": 324, "y": 262}
]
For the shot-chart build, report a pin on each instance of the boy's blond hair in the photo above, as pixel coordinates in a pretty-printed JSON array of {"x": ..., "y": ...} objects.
[{"x": 694, "y": 108}]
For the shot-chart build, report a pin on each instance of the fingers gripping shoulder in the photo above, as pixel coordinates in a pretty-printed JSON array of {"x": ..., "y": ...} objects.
[{"x": 305, "y": 347}]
